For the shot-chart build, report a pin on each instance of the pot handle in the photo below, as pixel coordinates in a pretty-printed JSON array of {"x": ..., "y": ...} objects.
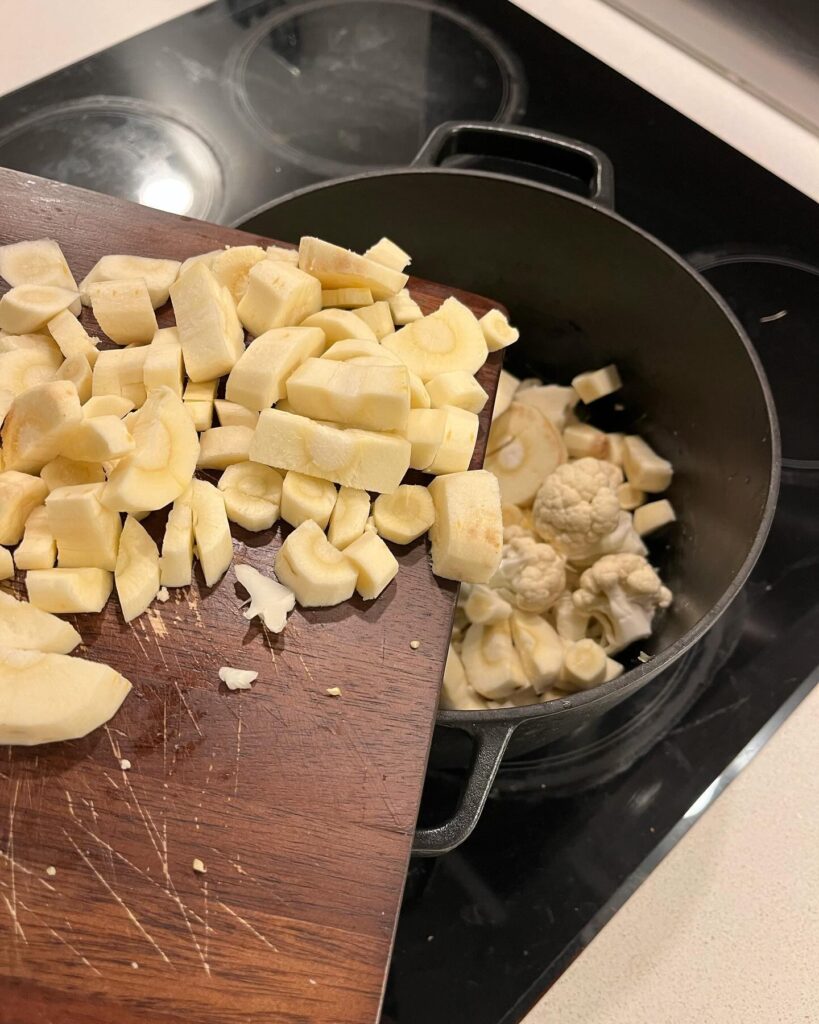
[
  {"x": 526, "y": 145},
  {"x": 490, "y": 746}
]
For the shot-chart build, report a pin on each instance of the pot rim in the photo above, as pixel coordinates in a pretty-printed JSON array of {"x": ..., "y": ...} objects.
[{"x": 638, "y": 676}]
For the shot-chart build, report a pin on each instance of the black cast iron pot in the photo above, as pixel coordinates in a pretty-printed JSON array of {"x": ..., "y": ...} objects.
[{"x": 586, "y": 288}]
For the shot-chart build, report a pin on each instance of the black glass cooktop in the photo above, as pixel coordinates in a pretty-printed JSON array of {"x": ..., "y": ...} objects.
[{"x": 238, "y": 103}]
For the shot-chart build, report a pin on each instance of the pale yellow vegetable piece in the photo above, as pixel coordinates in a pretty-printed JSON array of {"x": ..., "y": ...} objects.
[
  {"x": 199, "y": 402},
  {"x": 99, "y": 439},
  {"x": 497, "y": 331},
  {"x": 25, "y": 366},
  {"x": 72, "y": 337},
  {"x": 279, "y": 252},
  {"x": 78, "y": 371},
  {"x": 221, "y": 447},
  {"x": 176, "y": 562},
  {"x": 458, "y": 443},
  {"x": 375, "y": 564},
  {"x": 508, "y": 386},
  {"x": 370, "y": 397},
  {"x": 616, "y": 448},
  {"x": 6, "y": 564},
  {"x": 163, "y": 364},
  {"x": 307, "y": 497},
  {"x": 121, "y": 372},
  {"x": 252, "y": 494},
  {"x": 613, "y": 670},
  {"x": 404, "y": 515},
  {"x": 584, "y": 665},
  {"x": 597, "y": 383},
  {"x": 38, "y": 423},
  {"x": 448, "y": 339},
  {"x": 211, "y": 531},
  {"x": 231, "y": 267},
  {"x": 209, "y": 329},
  {"x": 360, "y": 348},
  {"x": 404, "y": 309},
  {"x": 37, "y": 262},
  {"x": 64, "y": 472},
  {"x": 339, "y": 325},
  {"x": 20, "y": 494},
  {"x": 522, "y": 450},
  {"x": 492, "y": 665},
  {"x": 268, "y": 599},
  {"x": 29, "y": 307},
  {"x": 123, "y": 310},
  {"x": 28, "y": 628},
  {"x": 553, "y": 401},
  {"x": 389, "y": 254},
  {"x": 349, "y": 517},
  {"x": 425, "y": 433},
  {"x": 69, "y": 591},
  {"x": 456, "y": 693},
  {"x": 630, "y": 497},
  {"x": 467, "y": 535},
  {"x": 644, "y": 468},
  {"x": 336, "y": 267},
  {"x": 540, "y": 650},
  {"x": 205, "y": 257},
  {"x": 346, "y": 298},
  {"x": 46, "y": 698},
  {"x": 377, "y": 317},
  {"x": 157, "y": 274},
  {"x": 137, "y": 570},
  {"x": 37, "y": 342},
  {"x": 201, "y": 414},
  {"x": 231, "y": 414},
  {"x": 260, "y": 376},
  {"x": 456, "y": 388},
  {"x": 653, "y": 516},
  {"x": 583, "y": 440},
  {"x": 317, "y": 573},
  {"x": 162, "y": 464},
  {"x": 355, "y": 458},
  {"x": 278, "y": 295},
  {"x": 87, "y": 533},
  {"x": 38, "y": 549}
]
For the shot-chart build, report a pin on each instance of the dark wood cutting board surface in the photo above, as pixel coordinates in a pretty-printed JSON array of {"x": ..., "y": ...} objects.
[{"x": 300, "y": 805}]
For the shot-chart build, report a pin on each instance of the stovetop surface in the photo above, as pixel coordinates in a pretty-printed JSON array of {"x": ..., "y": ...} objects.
[{"x": 239, "y": 103}]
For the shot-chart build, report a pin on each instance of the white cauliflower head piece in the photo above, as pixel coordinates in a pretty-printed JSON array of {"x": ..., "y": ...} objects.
[
  {"x": 577, "y": 506},
  {"x": 531, "y": 575},
  {"x": 622, "y": 592}
]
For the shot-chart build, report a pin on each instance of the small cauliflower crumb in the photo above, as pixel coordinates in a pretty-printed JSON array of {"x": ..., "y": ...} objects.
[
  {"x": 163, "y": 594},
  {"x": 51, "y": 871},
  {"x": 643, "y": 657},
  {"x": 333, "y": 691},
  {"x": 124, "y": 764},
  {"x": 135, "y": 965},
  {"x": 199, "y": 866},
  {"x": 237, "y": 678},
  {"x": 415, "y": 644}
]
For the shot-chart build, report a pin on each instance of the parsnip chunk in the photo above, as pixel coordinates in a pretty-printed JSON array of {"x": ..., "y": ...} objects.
[
  {"x": 38, "y": 549},
  {"x": 404, "y": 515},
  {"x": 317, "y": 573},
  {"x": 369, "y": 397},
  {"x": 221, "y": 447},
  {"x": 456, "y": 388},
  {"x": 157, "y": 274},
  {"x": 349, "y": 517},
  {"x": 209, "y": 328},
  {"x": 278, "y": 295},
  {"x": 211, "y": 531},
  {"x": 28, "y": 628},
  {"x": 252, "y": 494},
  {"x": 20, "y": 494},
  {"x": 307, "y": 497},
  {"x": 38, "y": 423},
  {"x": 467, "y": 536},
  {"x": 67, "y": 591},
  {"x": 336, "y": 267},
  {"x": 375, "y": 564},
  {"x": 123, "y": 310},
  {"x": 137, "y": 570},
  {"x": 458, "y": 443},
  {"x": 87, "y": 533},
  {"x": 260, "y": 376}
]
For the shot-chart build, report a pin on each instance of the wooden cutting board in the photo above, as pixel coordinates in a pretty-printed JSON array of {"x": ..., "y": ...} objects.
[{"x": 301, "y": 805}]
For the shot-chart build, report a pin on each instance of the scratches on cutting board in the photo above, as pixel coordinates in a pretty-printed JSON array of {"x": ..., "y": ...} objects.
[
  {"x": 157, "y": 625},
  {"x": 187, "y": 708},
  {"x": 247, "y": 925},
  {"x": 238, "y": 747},
  {"x": 15, "y": 920},
  {"x": 61, "y": 938},
  {"x": 12, "y": 904}
]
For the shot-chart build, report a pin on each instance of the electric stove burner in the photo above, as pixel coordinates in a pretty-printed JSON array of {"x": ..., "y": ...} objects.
[
  {"x": 776, "y": 297},
  {"x": 338, "y": 87},
  {"x": 121, "y": 147}
]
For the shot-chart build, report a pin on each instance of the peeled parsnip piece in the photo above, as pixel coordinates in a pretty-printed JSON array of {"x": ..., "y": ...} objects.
[
  {"x": 231, "y": 414},
  {"x": 349, "y": 517},
  {"x": 268, "y": 599},
  {"x": 404, "y": 309},
  {"x": 584, "y": 665},
  {"x": 278, "y": 295},
  {"x": 425, "y": 433},
  {"x": 6, "y": 564},
  {"x": 209, "y": 328},
  {"x": 630, "y": 497},
  {"x": 522, "y": 450},
  {"x": 221, "y": 447},
  {"x": 231, "y": 267},
  {"x": 404, "y": 515},
  {"x": 360, "y": 348},
  {"x": 163, "y": 362},
  {"x": 137, "y": 570},
  {"x": 378, "y": 318},
  {"x": 644, "y": 468},
  {"x": 72, "y": 337},
  {"x": 339, "y": 325},
  {"x": 355, "y": 458},
  {"x": 583, "y": 440},
  {"x": 375, "y": 564},
  {"x": 29, "y": 307},
  {"x": 27, "y": 366},
  {"x": 211, "y": 531},
  {"x": 497, "y": 331},
  {"x": 448, "y": 339},
  {"x": 163, "y": 461},
  {"x": 552, "y": 400},
  {"x": 317, "y": 573},
  {"x": 336, "y": 267},
  {"x": 279, "y": 252},
  {"x": 389, "y": 254},
  {"x": 123, "y": 310},
  {"x": 69, "y": 591},
  {"x": 77, "y": 370},
  {"x": 456, "y": 388},
  {"x": 456, "y": 693},
  {"x": 653, "y": 516},
  {"x": 36, "y": 262},
  {"x": 369, "y": 397},
  {"x": 616, "y": 448},
  {"x": 540, "y": 650},
  {"x": 458, "y": 443},
  {"x": 28, "y": 628},
  {"x": 508, "y": 386},
  {"x": 176, "y": 563},
  {"x": 307, "y": 497},
  {"x": 492, "y": 665},
  {"x": 99, "y": 439},
  {"x": 63, "y": 472},
  {"x": 47, "y": 698},
  {"x": 252, "y": 494},
  {"x": 345, "y": 298},
  {"x": 467, "y": 535},
  {"x": 260, "y": 375},
  {"x": 38, "y": 549},
  {"x": 597, "y": 383},
  {"x": 158, "y": 275},
  {"x": 87, "y": 533},
  {"x": 121, "y": 372},
  {"x": 20, "y": 494},
  {"x": 199, "y": 402},
  {"x": 37, "y": 425},
  {"x": 205, "y": 258}
]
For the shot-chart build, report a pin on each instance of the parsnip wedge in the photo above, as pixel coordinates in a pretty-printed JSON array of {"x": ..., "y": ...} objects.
[
  {"x": 37, "y": 262},
  {"x": 467, "y": 536},
  {"x": 72, "y": 337},
  {"x": 99, "y": 439},
  {"x": 176, "y": 563},
  {"x": 458, "y": 443},
  {"x": 38, "y": 549},
  {"x": 523, "y": 449},
  {"x": 69, "y": 591},
  {"x": 278, "y": 295},
  {"x": 369, "y": 397},
  {"x": 307, "y": 497},
  {"x": 209, "y": 328},
  {"x": 336, "y": 267},
  {"x": 375, "y": 564},
  {"x": 259, "y": 377},
  {"x": 448, "y": 339},
  {"x": 20, "y": 494},
  {"x": 37, "y": 425},
  {"x": 158, "y": 275},
  {"x": 87, "y": 533},
  {"x": 317, "y": 573},
  {"x": 252, "y": 494},
  {"x": 456, "y": 388},
  {"x": 211, "y": 531},
  {"x": 231, "y": 414},
  {"x": 221, "y": 447},
  {"x": 231, "y": 267},
  {"x": 124, "y": 311},
  {"x": 28, "y": 628},
  {"x": 77, "y": 369},
  {"x": 349, "y": 517},
  {"x": 63, "y": 472},
  {"x": 137, "y": 569},
  {"x": 339, "y": 325},
  {"x": 29, "y": 307},
  {"x": 405, "y": 515}
]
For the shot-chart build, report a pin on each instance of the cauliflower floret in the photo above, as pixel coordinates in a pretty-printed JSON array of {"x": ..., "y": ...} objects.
[
  {"x": 577, "y": 506},
  {"x": 622, "y": 592},
  {"x": 623, "y": 539},
  {"x": 531, "y": 575}
]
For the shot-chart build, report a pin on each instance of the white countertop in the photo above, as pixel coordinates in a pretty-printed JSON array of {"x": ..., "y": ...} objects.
[{"x": 727, "y": 927}]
